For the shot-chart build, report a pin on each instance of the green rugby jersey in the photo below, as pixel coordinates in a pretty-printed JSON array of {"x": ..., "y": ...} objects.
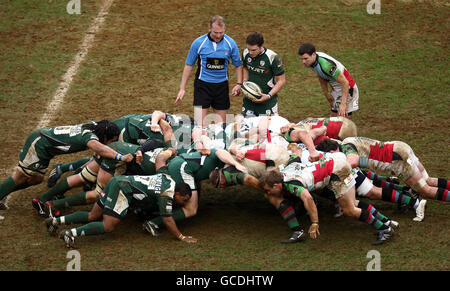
[
  {"x": 202, "y": 165},
  {"x": 263, "y": 68},
  {"x": 136, "y": 128},
  {"x": 147, "y": 167},
  {"x": 144, "y": 191},
  {"x": 62, "y": 140}
]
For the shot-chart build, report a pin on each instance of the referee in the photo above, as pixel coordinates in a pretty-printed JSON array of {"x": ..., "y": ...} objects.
[{"x": 213, "y": 51}]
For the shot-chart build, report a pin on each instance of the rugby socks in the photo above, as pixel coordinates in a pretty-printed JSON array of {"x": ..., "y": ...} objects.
[
  {"x": 92, "y": 228},
  {"x": 368, "y": 218},
  {"x": 372, "y": 176},
  {"x": 177, "y": 215},
  {"x": 443, "y": 183},
  {"x": 73, "y": 200},
  {"x": 384, "y": 182},
  {"x": 288, "y": 213},
  {"x": 74, "y": 165},
  {"x": 391, "y": 195},
  {"x": 8, "y": 186},
  {"x": 234, "y": 176},
  {"x": 76, "y": 217},
  {"x": 370, "y": 208},
  {"x": 442, "y": 195},
  {"x": 59, "y": 188}
]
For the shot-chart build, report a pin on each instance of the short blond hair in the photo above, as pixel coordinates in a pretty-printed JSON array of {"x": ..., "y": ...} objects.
[{"x": 217, "y": 19}]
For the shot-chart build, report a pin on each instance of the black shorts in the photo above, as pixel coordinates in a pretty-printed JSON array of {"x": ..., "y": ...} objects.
[
  {"x": 348, "y": 113},
  {"x": 215, "y": 95}
]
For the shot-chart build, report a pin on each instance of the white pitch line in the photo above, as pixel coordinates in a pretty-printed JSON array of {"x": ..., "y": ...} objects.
[{"x": 67, "y": 78}]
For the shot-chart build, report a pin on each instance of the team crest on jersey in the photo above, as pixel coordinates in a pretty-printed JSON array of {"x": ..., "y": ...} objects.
[
  {"x": 333, "y": 70},
  {"x": 262, "y": 63},
  {"x": 249, "y": 60}
]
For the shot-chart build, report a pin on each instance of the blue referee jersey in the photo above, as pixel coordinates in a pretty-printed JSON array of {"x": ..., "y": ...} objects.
[{"x": 213, "y": 58}]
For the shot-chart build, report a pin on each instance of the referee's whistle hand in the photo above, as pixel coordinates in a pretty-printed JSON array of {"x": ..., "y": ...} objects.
[{"x": 179, "y": 97}]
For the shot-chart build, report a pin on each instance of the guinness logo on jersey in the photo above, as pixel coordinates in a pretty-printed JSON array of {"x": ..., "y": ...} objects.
[{"x": 215, "y": 63}]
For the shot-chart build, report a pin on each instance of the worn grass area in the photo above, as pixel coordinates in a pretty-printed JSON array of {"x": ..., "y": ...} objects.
[{"x": 398, "y": 59}]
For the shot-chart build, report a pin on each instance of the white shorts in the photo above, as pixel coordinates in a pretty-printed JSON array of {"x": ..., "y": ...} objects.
[{"x": 352, "y": 101}]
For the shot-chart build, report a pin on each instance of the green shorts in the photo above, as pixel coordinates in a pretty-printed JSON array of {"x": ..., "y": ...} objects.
[
  {"x": 113, "y": 201},
  {"x": 269, "y": 107},
  {"x": 33, "y": 158},
  {"x": 113, "y": 167}
]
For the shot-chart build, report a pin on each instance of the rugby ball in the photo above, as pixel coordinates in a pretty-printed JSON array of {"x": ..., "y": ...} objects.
[{"x": 251, "y": 90}]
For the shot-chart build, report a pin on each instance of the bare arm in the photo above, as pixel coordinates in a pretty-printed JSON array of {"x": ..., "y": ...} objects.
[
  {"x": 345, "y": 87},
  {"x": 286, "y": 127},
  {"x": 234, "y": 150},
  {"x": 237, "y": 88},
  {"x": 201, "y": 140},
  {"x": 306, "y": 138},
  {"x": 280, "y": 82},
  {"x": 318, "y": 131},
  {"x": 324, "y": 86},
  {"x": 173, "y": 229},
  {"x": 244, "y": 74},
  {"x": 161, "y": 159},
  {"x": 251, "y": 181},
  {"x": 227, "y": 158},
  {"x": 107, "y": 152},
  {"x": 167, "y": 131},
  {"x": 310, "y": 206},
  {"x": 186, "y": 73},
  {"x": 156, "y": 117},
  {"x": 353, "y": 159}
]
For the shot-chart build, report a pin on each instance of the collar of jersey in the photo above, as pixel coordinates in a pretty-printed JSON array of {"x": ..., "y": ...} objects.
[
  {"x": 316, "y": 62},
  {"x": 260, "y": 54},
  {"x": 209, "y": 37}
]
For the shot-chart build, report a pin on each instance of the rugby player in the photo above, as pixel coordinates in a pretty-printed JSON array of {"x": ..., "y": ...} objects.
[
  {"x": 122, "y": 192},
  {"x": 192, "y": 168},
  {"x": 333, "y": 172},
  {"x": 154, "y": 157},
  {"x": 394, "y": 157},
  {"x": 44, "y": 144},
  {"x": 264, "y": 67},
  {"x": 344, "y": 94}
]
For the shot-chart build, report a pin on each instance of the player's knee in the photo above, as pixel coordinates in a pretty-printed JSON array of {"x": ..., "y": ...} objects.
[
  {"x": 88, "y": 175},
  {"x": 351, "y": 211},
  {"x": 108, "y": 227},
  {"x": 94, "y": 216},
  {"x": 92, "y": 196},
  {"x": 35, "y": 179}
]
